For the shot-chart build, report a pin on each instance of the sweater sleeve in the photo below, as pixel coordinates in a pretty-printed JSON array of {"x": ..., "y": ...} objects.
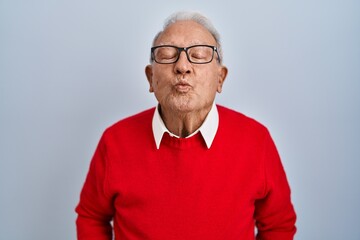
[
  {"x": 274, "y": 213},
  {"x": 95, "y": 209}
]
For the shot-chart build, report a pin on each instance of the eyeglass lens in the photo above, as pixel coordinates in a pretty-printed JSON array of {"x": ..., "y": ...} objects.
[{"x": 195, "y": 54}]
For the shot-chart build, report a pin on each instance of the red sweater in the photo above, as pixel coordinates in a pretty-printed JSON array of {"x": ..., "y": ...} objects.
[{"x": 183, "y": 190}]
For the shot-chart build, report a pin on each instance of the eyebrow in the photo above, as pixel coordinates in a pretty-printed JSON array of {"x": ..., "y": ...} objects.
[{"x": 191, "y": 44}]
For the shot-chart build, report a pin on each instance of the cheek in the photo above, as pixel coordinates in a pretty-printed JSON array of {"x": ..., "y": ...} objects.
[
  {"x": 160, "y": 78},
  {"x": 161, "y": 85},
  {"x": 210, "y": 80},
  {"x": 158, "y": 83}
]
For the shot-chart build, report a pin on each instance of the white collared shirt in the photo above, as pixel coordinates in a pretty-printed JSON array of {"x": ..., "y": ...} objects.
[{"x": 208, "y": 129}]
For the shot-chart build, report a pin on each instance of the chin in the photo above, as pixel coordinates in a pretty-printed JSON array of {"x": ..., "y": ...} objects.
[{"x": 184, "y": 105}]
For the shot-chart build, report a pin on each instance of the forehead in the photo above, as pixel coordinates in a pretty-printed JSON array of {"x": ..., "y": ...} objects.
[{"x": 185, "y": 33}]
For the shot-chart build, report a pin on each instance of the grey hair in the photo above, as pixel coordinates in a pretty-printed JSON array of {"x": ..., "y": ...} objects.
[{"x": 196, "y": 17}]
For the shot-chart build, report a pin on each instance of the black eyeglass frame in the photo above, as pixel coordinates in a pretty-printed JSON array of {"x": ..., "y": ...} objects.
[{"x": 185, "y": 49}]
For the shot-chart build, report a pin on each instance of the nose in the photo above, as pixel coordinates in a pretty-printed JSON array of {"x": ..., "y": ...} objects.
[{"x": 182, "y": 66}]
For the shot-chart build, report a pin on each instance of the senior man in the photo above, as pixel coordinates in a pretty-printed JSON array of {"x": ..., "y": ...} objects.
[{"x": 187, "y": 169}]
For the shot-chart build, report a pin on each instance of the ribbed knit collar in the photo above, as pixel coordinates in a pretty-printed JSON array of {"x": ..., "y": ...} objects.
[{"x": 208, "y": 129}]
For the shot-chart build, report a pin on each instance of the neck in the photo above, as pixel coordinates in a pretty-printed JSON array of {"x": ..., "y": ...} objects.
[{"x": 183, "y": 124}]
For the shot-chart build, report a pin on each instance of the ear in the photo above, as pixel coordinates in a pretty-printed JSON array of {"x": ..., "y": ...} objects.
[
  {"x": 149, "y": 73},
  {"x": 221, "y": 77}
]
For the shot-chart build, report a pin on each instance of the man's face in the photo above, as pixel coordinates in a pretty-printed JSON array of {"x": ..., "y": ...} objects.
[{"x": 183, "y": 86}]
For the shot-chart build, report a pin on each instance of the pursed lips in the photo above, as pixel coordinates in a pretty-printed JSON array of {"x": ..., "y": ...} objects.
[{"x": 182, "y": 86}]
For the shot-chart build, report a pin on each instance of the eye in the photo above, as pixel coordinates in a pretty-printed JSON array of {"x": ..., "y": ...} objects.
[
  {"x": 165, "y": 53},
  {"x": 198, "y": 55}
]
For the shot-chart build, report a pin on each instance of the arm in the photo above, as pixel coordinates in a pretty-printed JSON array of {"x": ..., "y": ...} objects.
[
  {"x": 274, "y": 213},
  {"x": 95, "y": 209}
]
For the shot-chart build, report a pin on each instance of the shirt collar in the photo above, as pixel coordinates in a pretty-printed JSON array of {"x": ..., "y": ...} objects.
[{"x": 207, "y": 129}]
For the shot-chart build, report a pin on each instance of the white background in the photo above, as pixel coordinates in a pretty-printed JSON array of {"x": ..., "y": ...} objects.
[{"x": 69, "y": 69}]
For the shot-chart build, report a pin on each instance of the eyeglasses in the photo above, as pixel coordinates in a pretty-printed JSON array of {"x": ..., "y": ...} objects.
[{"x": 198, "y": 54}]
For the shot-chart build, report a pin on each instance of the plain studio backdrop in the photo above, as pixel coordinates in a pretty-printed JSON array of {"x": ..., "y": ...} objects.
[{"x": 69, "y": 69}]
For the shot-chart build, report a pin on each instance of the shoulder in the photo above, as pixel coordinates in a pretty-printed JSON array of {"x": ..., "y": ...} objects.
[
  {"x": 235, "y": 121},
  {"x": 133, "y": 124},
  {"x": 227, "y": 114}
]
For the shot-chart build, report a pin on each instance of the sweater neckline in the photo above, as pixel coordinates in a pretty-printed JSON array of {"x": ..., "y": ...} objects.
[
  {"x": 182, "y": 143},
  {"x": 207, "y": 129}
]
